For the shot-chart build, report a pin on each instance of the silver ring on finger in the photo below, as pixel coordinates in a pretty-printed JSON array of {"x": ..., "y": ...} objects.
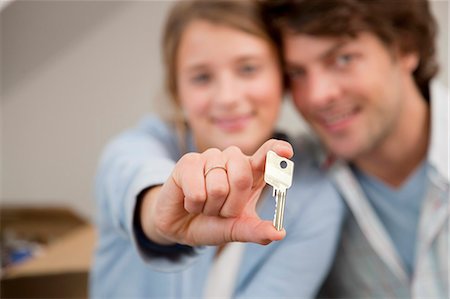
[{"x": 215, "y": 167}]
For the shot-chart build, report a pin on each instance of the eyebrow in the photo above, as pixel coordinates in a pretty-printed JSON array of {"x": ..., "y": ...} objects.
[
  {"x": 201, "y": 65},
  {"x": 333, "y": 49},
  {"x": 327, "y": 53},
  {"x": 196, "y": 67}
]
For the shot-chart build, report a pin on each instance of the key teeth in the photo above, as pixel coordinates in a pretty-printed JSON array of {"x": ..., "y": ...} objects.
[
  {"x": 279, "y": 199},
  {"x": 274, "y": 222}
]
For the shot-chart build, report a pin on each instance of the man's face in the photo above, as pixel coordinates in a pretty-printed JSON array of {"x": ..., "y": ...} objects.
[{"x": 350, "y": 90}]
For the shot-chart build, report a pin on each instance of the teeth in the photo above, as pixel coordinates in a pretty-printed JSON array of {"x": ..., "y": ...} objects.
[{"x": 336, "y": 118}]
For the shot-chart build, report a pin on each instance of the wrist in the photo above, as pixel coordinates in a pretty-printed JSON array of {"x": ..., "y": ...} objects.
[{"x": 148, "y": 216}]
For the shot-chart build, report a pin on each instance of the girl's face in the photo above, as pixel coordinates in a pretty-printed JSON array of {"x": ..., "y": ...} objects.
[{"x": 229, "y": 86}]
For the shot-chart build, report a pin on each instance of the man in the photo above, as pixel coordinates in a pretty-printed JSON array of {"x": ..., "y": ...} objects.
[{"x": 360, "y": 74}]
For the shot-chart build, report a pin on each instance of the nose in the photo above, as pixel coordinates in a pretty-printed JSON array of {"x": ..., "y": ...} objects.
[
  {"x": 321, "y": 89},
  {"x": 227, "y": 91}
]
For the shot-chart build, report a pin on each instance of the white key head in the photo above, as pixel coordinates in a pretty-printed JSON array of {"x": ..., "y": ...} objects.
[{"x": 279, "y": 171}]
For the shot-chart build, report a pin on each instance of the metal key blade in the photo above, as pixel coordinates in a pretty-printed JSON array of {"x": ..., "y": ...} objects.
[
  {"x": 280, "y": 197},
  {"x": 278, "y": 174}
]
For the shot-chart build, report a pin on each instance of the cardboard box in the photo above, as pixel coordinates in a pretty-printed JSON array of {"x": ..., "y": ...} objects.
[{"x": 61, "y": 268}]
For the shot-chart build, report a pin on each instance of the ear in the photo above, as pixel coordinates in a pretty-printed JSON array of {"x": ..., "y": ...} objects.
[{"x": 409, "y": 61}]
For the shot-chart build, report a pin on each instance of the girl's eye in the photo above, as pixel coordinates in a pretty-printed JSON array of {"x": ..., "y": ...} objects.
[
  {"x": 201, "y": 78},
  {"x": 248, "y": 69}
]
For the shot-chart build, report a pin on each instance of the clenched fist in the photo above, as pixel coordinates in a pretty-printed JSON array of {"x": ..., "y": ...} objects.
[{"x": 210, "y": 199}]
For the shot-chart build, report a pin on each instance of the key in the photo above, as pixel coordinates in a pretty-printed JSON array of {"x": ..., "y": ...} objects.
[{"x": 278, "y": 174}]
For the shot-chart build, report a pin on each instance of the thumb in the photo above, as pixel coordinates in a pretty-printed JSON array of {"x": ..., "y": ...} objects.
[
  {"x": 212, "y": 230},
  {"x": 255, "y": 230}
]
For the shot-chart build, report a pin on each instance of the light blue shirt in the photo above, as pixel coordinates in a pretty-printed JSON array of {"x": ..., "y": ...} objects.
[
  {"x": 145, "y": 156},
  {"x": 398, "y": 209}
]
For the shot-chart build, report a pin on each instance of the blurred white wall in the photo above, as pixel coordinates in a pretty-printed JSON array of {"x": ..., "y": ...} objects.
[
  {"x": 74, "y": 74},
  {"x": 441, "y": 10}
]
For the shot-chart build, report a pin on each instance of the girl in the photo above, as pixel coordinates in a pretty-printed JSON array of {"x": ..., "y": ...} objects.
[{"x": 167, "y": 188}]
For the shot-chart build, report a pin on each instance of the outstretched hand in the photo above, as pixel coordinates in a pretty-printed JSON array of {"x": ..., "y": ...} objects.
[{"x": 210, "y": 199}]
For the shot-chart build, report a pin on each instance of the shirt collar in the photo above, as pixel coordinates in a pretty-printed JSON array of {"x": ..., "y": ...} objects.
[{"x": 438, "y": 150}]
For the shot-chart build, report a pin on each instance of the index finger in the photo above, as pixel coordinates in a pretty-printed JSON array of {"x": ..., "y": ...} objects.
[{"x": 258, "y": 160}]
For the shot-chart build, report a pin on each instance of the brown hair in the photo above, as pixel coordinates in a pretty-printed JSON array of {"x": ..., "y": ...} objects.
[
  {"x": 406, "y": 24},
  {"x": 242, "y": 15}
]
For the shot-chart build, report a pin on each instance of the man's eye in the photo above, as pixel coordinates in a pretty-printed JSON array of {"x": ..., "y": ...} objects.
[
  {"x": 343, "y": 60},
  {"x": 202, "y": 78}
]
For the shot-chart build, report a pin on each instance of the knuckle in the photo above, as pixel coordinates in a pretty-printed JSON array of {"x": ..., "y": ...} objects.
[
  {"x": 234, "y": 150},
  {"x": 190, "y": 158},
  {"x": 212, "y": 152},
  {"x": 232, "y": 234},
  {"x": 242, "y": 181},
  {"x": 196, "y": 198},
  {"x": 218, "y": 191}
]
